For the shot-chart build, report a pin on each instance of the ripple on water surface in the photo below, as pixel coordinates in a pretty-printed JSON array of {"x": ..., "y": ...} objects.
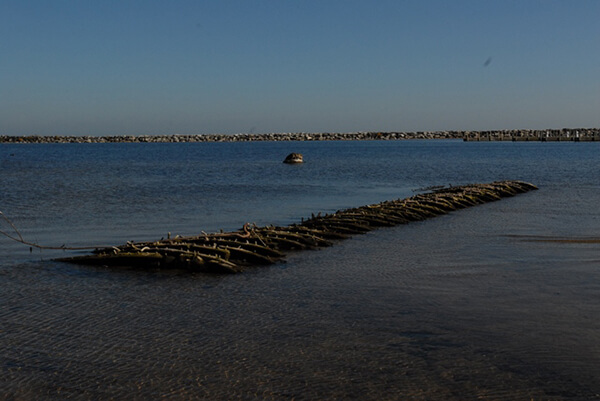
[{"x": 453, "y": 308}]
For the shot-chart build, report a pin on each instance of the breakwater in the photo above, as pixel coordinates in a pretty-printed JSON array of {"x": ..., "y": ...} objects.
[
  {"x": 235, "y": 251},
  {"x": 298, "y": 136},
  {"x": 564, "y": 134},
  {"x": 546, "y": 135}
]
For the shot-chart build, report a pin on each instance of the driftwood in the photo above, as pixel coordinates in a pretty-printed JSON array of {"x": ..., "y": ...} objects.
[{"x": 235, "y": 251}]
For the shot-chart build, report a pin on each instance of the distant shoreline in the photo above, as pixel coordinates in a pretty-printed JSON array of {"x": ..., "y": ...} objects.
[{"x": 564, "y": 134}]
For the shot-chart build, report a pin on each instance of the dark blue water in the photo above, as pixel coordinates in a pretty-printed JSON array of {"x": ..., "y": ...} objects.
[{"x": 485, "y": 303}]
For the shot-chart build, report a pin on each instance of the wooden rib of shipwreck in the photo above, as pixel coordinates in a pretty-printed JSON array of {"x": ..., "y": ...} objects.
[{"x": 232, "y": 252}]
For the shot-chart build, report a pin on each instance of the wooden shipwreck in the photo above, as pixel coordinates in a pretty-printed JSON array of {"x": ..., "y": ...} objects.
[{"x": 235, "y": 251}]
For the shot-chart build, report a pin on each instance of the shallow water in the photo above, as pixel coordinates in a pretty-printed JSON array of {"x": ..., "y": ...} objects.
[{"x": 465, "y": 306}]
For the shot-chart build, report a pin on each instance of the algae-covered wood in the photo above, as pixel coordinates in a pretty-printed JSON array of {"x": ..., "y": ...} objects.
[{"x": 235, "y": 251}]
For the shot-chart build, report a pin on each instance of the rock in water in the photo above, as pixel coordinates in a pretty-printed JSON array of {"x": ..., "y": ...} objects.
[{"x": 293, "y": 158}]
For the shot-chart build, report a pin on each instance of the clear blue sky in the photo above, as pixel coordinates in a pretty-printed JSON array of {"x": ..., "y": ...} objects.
[{"x": 195, "y": 67}]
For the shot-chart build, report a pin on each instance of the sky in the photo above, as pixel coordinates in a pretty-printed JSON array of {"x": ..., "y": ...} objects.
[{"x": 258, "y": 66}]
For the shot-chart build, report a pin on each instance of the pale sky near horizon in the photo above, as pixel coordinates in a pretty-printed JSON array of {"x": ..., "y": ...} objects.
[{"x": 258, "y": 66}]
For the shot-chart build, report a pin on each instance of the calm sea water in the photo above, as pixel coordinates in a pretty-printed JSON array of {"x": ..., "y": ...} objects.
[{"x": 478, "y": 304}]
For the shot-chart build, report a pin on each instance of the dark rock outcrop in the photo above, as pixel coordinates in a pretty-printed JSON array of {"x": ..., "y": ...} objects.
[{"x": 294, "y": 158}]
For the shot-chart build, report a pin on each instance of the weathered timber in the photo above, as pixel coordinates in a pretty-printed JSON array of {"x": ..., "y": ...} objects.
[
  {"x": 325, "y": 235},
  {"x": 235, "y": 251}
]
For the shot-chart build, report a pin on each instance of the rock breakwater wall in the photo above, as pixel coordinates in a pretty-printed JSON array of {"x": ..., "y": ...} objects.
[
  {"x": 299, "y": 136},
  {"x": 545, "y": 135},
  {"x": 564, "y": 134}
]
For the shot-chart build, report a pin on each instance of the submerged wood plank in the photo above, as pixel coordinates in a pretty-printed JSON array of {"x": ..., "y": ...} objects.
[{"x": 251, "y": 246}]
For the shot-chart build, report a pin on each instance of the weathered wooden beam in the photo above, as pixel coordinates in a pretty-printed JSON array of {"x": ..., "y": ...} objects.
[{"x": 234, "y": 251}]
